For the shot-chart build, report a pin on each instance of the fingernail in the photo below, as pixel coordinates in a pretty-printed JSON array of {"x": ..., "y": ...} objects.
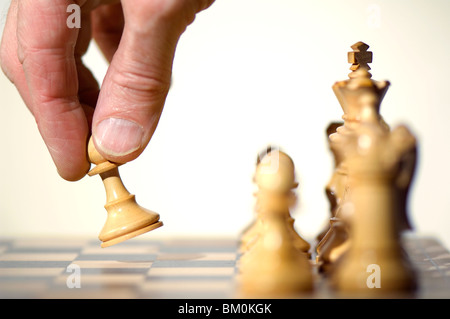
[{"x": 118, "y": 137}]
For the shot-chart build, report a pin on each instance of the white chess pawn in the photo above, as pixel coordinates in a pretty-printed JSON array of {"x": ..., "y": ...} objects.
[
  {"x": 125, "y": 219},
  {"x": 274, "y": 267},
  {"x": 275, "y": 178},
  {"x": 275, "y": 264}
]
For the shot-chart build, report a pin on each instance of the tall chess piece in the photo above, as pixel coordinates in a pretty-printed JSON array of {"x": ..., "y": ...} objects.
[
  {"x": 374, "y": 166},
  {"x": 125, "y": 218},
  {"x": 375, "y": 159},
  {"x": 338, "y": 191},
  {"x": 348, "y": 93}
]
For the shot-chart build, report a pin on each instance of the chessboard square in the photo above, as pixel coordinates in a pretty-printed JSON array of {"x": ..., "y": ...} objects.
[
  {"x": 198, "y": 246},
  {"x": 37, "y": 256},
  {"x": 50, "y": 243},
  {"x": 193, "y": 263},
  {"x": 106, "y": 264},
  {"x": 33, "y": 264},
  {"x": 121, "y": 250},
  {"x": 191, "y": 271},
  {"x": 15, "y": 273},
  {"x": 91, "y": 292},
  {"x": 43, "y": 250},
  {"x": 24, "y": 289},
  {"x": 113, "y": 271},
  {"x": 103, "y": 279},
  {"x": 118, "y": 257},
  {"x": 199, "y": 256}
]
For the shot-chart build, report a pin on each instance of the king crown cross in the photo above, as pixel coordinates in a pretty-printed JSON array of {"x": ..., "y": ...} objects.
[{"x": 359, "y": 57}]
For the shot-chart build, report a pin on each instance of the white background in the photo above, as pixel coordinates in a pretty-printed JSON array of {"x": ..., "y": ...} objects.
[{"x": 247, "y": 74}]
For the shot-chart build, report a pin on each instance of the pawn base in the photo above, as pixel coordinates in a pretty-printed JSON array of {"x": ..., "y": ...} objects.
[{"x": 132, "y": 234}]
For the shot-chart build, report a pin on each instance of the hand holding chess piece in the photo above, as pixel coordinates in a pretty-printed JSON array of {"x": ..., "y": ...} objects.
[{"x": 125, "y": 219}]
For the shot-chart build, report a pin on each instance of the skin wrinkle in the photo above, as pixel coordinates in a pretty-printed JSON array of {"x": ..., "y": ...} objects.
[
  {"x": 128, "y": 83},
  {"x": 121, "y": 87},
  {"x": 51, "y": 88},
  {"x": 55, "y": 16},
  {"x": 154, "y": 63},
  {"x": 133, "y": 65},
  {"x": 135, "y": 112},
  {"x": 65, "y": 121}
]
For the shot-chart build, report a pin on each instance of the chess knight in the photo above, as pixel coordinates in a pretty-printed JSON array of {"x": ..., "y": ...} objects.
[{"x": 371, "y": 184}]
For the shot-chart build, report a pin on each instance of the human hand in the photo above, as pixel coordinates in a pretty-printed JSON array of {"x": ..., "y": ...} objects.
[{"x": 42, "y": 56}]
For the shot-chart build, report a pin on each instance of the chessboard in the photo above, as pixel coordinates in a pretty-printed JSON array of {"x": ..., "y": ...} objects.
[{"x": 179, "y": 268}]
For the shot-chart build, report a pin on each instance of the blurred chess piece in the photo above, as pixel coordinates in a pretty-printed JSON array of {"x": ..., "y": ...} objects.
[
  {"x": 125, "y": 218},
  {"x": 333, "y": 245},
  {"x": 331, "y": 190},
  {"x": 277, "y": 262},
  {"x": 250, "y": 233},
  {"x": 379, "y": 165},
  {"x": 348, "y": 93},
  {"x": 374, "y": 167},
  {"x": 275, "y": 178},
  {"x": 274, "y": 266}
]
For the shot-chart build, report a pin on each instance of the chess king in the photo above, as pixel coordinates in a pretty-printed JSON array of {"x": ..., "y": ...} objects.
[
  {"x": 379, "y": 165},
  {"x": 334, "y": 242},
  {"x": 125, "y": 218},
  {"x": 351, "y": 94}
]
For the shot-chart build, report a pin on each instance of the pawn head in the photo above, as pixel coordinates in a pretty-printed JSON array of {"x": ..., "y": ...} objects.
[{"x": 275, "y": 172}]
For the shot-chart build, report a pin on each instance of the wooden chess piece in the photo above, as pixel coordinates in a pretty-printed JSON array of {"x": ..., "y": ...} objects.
[
  {"x": 348, "y": 93},
  {"x": 275, "y": 267},
  {"x": 277, "y": 263},
  {"x": 250, "y": 233},
  {"x": 330, "y": 189},
  {"x": 374, "y": 157},
  {"x": 275, "y": 177},
  {"x": 333, "y": 246},
  {"x": 359, "y": 57},
  {"x": 336, "y": 240},
  {"x": 125, "y": 218}
]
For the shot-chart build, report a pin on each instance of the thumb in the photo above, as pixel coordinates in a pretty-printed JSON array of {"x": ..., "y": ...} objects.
[{"x": 135, "y": 87}]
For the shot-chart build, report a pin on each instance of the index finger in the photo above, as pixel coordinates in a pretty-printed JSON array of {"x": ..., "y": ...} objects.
[{"x": 46, "y": 50}]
